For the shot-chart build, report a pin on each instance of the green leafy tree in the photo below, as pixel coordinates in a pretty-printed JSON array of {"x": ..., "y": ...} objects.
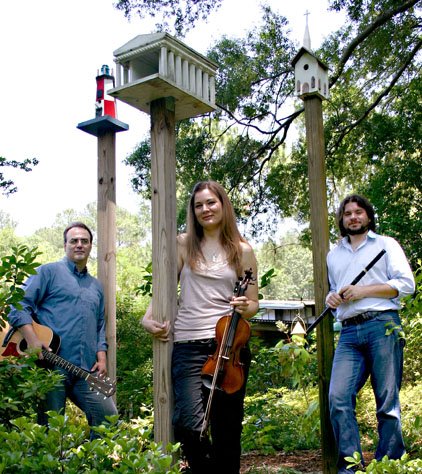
[
  {"x": 293, "y": 267},
  {"x": 14, "y": 269},
  {"x": 372, "y": 121},
  {"x": 183, "y": 13}
]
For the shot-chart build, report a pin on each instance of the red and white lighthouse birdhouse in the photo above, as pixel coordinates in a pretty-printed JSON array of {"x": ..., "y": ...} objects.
[{"x": 105, "y": 104}]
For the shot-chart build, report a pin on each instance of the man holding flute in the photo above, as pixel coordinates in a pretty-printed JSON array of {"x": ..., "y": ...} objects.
[{"x": 370, "y": 341}]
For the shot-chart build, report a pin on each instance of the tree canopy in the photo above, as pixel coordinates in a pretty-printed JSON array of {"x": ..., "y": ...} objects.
[{"x": 255, "y": 145}]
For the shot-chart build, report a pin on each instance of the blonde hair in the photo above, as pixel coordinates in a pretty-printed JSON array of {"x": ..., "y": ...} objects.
[{"x": 230, "y": 235}]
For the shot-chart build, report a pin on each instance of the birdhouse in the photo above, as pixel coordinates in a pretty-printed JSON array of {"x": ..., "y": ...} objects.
[
  {"x": 104, "y": 104},
  {"x": 311, "y": 75},
  {"x": 154, "y": 66},
  {"x": 105, "y": 120}
]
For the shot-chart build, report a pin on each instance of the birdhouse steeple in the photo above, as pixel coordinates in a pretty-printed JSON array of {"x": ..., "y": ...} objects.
[
  {"x": 311, "y": 74},
  {"x": 307, "y": 36}
]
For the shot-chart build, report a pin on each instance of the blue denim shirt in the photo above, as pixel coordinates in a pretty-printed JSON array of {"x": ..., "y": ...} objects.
[{"x": 69, "y": 302}]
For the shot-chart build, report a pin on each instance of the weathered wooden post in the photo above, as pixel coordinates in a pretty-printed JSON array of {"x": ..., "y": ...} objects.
[
  {"x": 311, "y": 77},
  {"x": 105, "y": 126},
  {"x": 163, "y": 77}
]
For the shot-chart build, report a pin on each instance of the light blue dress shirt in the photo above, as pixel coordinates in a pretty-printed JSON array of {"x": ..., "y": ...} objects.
[
  {"x": 69, "y": 302},
  {"x": 345, "y": 264}
]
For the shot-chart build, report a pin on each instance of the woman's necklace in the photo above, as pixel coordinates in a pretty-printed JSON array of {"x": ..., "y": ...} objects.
[{"x": 213, "y": 254}]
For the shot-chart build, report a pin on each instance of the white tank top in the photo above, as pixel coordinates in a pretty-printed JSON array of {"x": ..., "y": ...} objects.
[{"x": 204, "y": 299}]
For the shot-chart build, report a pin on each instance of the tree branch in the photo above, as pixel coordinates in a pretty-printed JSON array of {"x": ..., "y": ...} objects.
[
  {"x": 385, "y": 92},
  {"x": 379, "y": 21}
]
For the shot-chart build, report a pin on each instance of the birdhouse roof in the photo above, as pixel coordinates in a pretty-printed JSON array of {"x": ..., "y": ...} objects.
[
  {"x": 304, "y": 50},
  {"x": 143, "y": 43}
]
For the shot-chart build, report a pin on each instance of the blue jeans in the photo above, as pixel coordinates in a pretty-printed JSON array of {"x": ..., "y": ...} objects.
[
  {"x": 94, "y": 405},
  {"x": 364, "y": 350},
  {"x": 190, "y": 397}
]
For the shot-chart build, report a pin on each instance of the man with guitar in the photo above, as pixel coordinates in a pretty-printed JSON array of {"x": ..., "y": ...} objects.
[
  {"x": 370, "y": 341},
  {"x": 64, "y": 297}
]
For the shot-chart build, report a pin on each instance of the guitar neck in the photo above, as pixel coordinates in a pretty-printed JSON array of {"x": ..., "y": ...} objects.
[{"x": 64, "y": 364}]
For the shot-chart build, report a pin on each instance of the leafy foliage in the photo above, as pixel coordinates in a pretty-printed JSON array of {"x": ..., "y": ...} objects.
[
  {"x": 372, "y": 121},
  {"x": 294, "y": 278},
  {"x": 184, "y": 14},
  {"x": 411, "y": 316},
  {"x": 280, "y": 420},
  {"x": 123, "y": 447},
  {"x": 14, "y": 269},
  {"x": 134, "y": 360},
  {"x": 385, "y": 466},
  {"x": 7, "y": 185},
  {"x": 22, "y": 384}
]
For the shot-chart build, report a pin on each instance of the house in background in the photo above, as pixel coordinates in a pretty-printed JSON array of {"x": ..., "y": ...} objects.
[{"x": 287, "y": 311}]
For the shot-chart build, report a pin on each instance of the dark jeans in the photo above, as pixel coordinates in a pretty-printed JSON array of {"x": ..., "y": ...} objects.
[
  {"x": 365, "y": 350},
  {"x": 94, "y": 405},
  {"x": 222, "y": 455}
]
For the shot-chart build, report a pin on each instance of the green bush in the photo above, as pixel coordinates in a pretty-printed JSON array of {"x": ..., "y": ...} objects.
[
  {"x": 134, "y": 360},
  {"x": 123, "y": 447},
  {"x": 281, "y": 419},
  {"x": 386, "y": 466},
  {"x": 411, "y": 316},
  {"x": 22, "y": 384}
]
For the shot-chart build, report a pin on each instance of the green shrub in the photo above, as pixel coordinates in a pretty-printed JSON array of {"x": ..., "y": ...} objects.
[
  {"x": 123, "y": 447},
  {"x": 411, "y": 316},
  {"x": 22, "y": 384},
  {"x": 134, "y": 361},
  {"x": 386, "y": 466},
  {"x": 281, "y": 419}
]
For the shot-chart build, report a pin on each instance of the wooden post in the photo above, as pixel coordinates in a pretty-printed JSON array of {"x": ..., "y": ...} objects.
[
  {"x": 106, "y": 209},
  {"x": 320, "y": 247},
  {"x": 164, "y": 259}
]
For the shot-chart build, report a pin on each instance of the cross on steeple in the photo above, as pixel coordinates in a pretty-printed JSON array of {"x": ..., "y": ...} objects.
[{"x": 307, "y": 37}]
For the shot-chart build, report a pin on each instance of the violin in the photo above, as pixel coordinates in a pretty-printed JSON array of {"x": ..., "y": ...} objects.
[{"x": 223, "y": 370}]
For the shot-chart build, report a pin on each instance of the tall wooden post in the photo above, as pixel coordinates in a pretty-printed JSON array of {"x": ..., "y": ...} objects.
[
  {"x": 320, "y": 246},
  {"x": 165, "y": 78},
  {"x": 164, "y": 267},
  {"x": 106, "y": 222},
  {"x": 105, "y": 129},
  {"x": 311, "y": 79}
]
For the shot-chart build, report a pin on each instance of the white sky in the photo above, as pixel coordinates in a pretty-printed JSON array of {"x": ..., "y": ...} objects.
[{"x": 50, "y": 52}]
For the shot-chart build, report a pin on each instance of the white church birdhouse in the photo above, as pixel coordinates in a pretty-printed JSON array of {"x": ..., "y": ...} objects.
[
  {"x": 154, "y": 66},
  {"x": 311, "y": 75}
]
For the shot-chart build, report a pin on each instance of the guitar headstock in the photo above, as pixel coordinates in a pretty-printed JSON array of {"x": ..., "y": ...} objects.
[{"x": 103, "y": 385}]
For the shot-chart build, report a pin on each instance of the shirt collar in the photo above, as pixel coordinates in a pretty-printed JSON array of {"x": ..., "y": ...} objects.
[
  {"x": 370, "y": 235},
  {"x": 73, "y": 268}
]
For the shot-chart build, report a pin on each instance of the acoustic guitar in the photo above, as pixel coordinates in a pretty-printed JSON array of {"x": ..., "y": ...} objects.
[{"x": 14, "y": 345}]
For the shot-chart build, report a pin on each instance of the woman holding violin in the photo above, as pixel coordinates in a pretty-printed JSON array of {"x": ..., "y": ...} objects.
[{"x": 212, "y": 255}]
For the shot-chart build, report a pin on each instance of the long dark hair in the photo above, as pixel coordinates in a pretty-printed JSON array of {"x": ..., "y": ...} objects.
[
  {"x": 362, "y": 202},
  {"x": 230, "y": 235}
]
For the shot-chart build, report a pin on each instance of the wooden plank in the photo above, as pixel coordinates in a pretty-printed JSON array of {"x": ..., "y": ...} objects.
[
  {"x": 106, "y": 222},
  {"x": 164, "y": 260},
  {"x": 320, "y": 247}
]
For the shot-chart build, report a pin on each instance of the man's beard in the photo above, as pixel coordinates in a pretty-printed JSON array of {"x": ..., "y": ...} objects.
[{"x": 359, "y": 231}]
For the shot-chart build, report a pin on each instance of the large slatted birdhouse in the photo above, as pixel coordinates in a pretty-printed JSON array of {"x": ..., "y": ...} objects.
[{"x": 154, "y": 66}]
